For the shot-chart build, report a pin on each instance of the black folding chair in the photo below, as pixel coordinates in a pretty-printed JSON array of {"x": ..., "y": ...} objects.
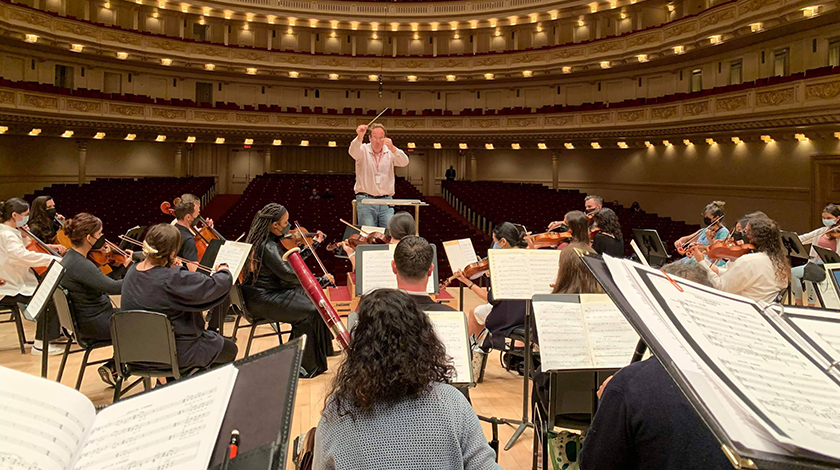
[
  {"x": 144, "y": 346},
  {"x": 15, "y": 317},
  {"x": 67, "y": 319},
  {"x": 237, "y": 303}
]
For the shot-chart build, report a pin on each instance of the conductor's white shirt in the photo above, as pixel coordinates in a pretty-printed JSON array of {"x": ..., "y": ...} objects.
[{"x": 375, "y": 173}]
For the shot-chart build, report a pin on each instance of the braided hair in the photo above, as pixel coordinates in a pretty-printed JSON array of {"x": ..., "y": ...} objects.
[{"x": 259, "y": 233}]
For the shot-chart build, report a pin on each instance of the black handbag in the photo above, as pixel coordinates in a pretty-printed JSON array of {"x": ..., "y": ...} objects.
[{"x": 814, "y": 272}]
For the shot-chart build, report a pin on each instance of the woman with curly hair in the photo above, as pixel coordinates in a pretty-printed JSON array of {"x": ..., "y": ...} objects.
[
  {"x": 391, "y": 406},
  {"x": 608, "y": 240},
  {"x": 760, "y": 275}
]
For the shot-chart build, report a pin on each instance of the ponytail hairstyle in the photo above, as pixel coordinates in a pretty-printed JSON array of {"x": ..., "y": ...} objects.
[
  {"x": 162, "y": 241},
  {"x": 80, "y": 226},
  {"x": 11, "y": 206},
  {"x": 509, "y": 232},
  {"x": 259, "y": 233},
  {"x": 579, "y": 226},
  {"x": 401, "y": 225}
]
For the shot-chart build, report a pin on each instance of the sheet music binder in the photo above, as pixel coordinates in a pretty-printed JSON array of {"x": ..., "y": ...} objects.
[
  {"x": 360, "y": 266},
  {"x": 739, "y": 456},
  {"x": 261, "y": 408}
]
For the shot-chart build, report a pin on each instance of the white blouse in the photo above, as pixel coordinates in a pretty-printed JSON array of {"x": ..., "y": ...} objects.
[
  {"x": 751, "y": 275},
  {"x": 15, "y": 263}
]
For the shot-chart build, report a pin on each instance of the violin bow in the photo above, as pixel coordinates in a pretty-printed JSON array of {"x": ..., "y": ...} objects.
[
  {"x": 312, "y": 250},
  {"x": 362, "y": 232},
  {"x": 198, "y": 265},
  {"x": 696, "y": 234}
]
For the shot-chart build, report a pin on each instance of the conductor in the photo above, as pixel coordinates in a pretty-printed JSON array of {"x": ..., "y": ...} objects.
[{"x": 375, "y": 162}]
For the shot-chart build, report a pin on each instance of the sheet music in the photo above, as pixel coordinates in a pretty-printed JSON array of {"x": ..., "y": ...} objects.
[
  {"x": 612, "y": 340},
  {"x": 377, "y": 272},
  {"x": 451, "y": 330},
  {"x": 368, "y": 229},
  {"x": 459, "y": 253},
  {"x": 174, "y": 428},
  {"x": 638, "y": 252},
  {"x": 520, "y": 274},
  {"x": 801, "y": 404},
  {"x": 235, "y": 254},
  {"x": 740, "y": 425},
  {"x": 42, "y": 423},
  {"x": 821, "y": 327},
  {"x": 44, "y": 291}
]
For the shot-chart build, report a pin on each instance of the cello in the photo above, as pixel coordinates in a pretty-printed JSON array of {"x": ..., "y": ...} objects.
[
  {"x": 38, "y": 246},
  {"x": 203, "y": 236}
]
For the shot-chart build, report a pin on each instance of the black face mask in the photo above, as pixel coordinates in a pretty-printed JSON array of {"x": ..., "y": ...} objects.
[
  {"x": 100, "y": 242},
  {"x": 51, "y": 212},
  {"x": 562, "y": 228},
  {"x": 707, "y": 221},
  {"x": 286, "y": 229}
]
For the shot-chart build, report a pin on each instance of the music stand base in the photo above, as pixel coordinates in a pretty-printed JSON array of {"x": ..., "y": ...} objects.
[{"x": 518, "y": 433}]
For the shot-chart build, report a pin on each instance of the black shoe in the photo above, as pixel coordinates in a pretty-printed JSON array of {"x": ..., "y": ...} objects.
[
  {"x": 230, "y": 318},
  {"x": 108, "y": 375}
]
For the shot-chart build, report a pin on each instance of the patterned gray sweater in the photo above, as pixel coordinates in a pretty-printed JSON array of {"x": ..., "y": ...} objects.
[{"x": 436, "y": 431}]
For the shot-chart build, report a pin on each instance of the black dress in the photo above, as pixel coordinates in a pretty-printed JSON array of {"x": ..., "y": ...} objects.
[
  {"x": 275, "y": 293},
  {"x": 506, "y": 316},
  {"x": 181, "y": 295},
  {"x": 604, "y": 244},
  {"x": 88, "y": 290}
]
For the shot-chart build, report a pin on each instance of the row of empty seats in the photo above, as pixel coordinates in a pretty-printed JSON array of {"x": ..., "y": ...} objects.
[
  {"x": 519, "y": 110},
  {"x": 535, "y": 206}
]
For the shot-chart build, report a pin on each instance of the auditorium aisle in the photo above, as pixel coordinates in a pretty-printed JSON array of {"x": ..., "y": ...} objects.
[{"x": 500, "y": 395}]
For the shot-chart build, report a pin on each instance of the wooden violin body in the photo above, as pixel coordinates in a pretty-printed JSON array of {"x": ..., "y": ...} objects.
[
  {"x": 38, "y": 246},
  {"x": 550, "y": 239},
  {"x": 471, "y": 271},
  {"x": 295, "y": 239},
  {"x": 727, "y": 249},
  {"x": 375, "y": 238},
  {"x": 203, "y": 236}
]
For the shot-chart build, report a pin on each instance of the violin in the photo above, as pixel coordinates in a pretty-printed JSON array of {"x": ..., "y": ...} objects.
[
  {"x": 298, "y": 238},
  {"x": 592, "y": 232},
  {"x": 471, "y": 271},
  {"x": 203, "y": 236},
  {"x": 38, "y": 246},
  {"x": 107, "y": 256},
  {"x": 685, "y": 248},
  {"x": 361, "y": 238},
  {"x": 728, "y": 249},
  {"x": 550, "y": 239}
]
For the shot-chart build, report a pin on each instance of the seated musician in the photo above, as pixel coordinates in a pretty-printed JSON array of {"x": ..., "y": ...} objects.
[
  {"x": 500, "y": 317},
  {"x": 15, "y": 269},
  {"x": 390, "y": 406},
  {"x": 574, "y": 222},
  {"x": 186, "y": 214},
  {"x": 760, "y": 275},
  {"x": 88, "y": 289},
  {"x": 43, "y": 222},
  {"x": 158, "y": 284},
  {"x": 608, "y": 240},
  {"x": 591, "y": 204},
  {"x": 644, "y": 421},
  {"x": 819, "y": 237},
  {"x": 401, "y": 225},
  {"x": 713, "y": 230},
  {"x": 273, "y": 291}
]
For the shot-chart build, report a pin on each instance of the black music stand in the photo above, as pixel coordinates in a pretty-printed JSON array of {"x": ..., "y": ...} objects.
[
  {"x": 796, "y": 251},
  {"x": 135, "y": 233},
  {"x": 651, "y": 246},
  {"x": 827, "y": 256}
]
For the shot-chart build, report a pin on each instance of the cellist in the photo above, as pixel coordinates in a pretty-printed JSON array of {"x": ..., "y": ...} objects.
[
  {"x": 15, "y": 264},
  {"x": 187, "y": 211}
]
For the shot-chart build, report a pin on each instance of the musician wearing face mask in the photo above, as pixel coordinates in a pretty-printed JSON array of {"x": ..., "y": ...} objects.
[
  {"x": 591, "y": 204},
  {"x": 158, "y": 284},
  {"x": 713, "y": 230},
  {"x": 825, "y": 237},
  {"x": 44, "y": 222}
]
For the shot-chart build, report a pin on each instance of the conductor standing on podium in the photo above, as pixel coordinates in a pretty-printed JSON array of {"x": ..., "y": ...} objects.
[{"x": 375, "y": 162}]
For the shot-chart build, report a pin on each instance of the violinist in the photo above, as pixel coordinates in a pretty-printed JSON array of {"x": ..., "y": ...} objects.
[
  {"x": 500, "y": 317},
  {"x": 44, "y": 222},
  {"x": 21, "y": 281},
  {"x": 826, "y": 237},
  {"x": 400, "y": 226},
  {"x": 609, "y": 239},
  {"x": 591, "y": 204},
  {"x": 273, "y": 291},
  {"x": 575, "y": 224},
  {"x": 760, "y": 275},
  {"x": 87, "y": 287},
  {"x": 714, "y": 230},
  {"x": 158, "y": 284}
]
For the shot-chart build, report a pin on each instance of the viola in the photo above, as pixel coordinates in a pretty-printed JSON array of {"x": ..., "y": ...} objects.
[
  {"x": 375, "y": 238},
  {"x": 684, "y": 249},
  {"x": 728, "y": 249},
  {"x": 471, "y": 271},
  {"x": 38, "y": 246},
  {"x": 550, "y": 239}
]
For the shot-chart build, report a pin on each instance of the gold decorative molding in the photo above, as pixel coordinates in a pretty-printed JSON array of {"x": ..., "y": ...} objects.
[
  {"x": 486, "y": 61},
  {"x": 30, "y": 17},
  {"x": 7, "y": 97},
  {"x": 696, "y": 109},
  {"x": 446, "y": 123},
  {"x": 606, "y": 46},
  {"x": 595, "y": 118},
  {"x": 753, "y": 5},
  {"x": 167, "y": 113},
  {"x": 75, "y": 28},
  {"x": 293, "y": 120},
  {"x": 717, "y": 16},
  {"x": 83, "y": 106},
  {"x": 630, "y": 116},
  {"x": 409, "y": 123},
  {"x": 731, "y": 103},
  {"x": 663, "y": 113},
  {"x": 40, "y": 101},
  {"x": 679, "y": 29},
  {"x": 330, "y": 62},
  {"x": 208, "y": 50},
  {"x": 210, "y": 116},
  {"x": 167, "y": 45},
  {"x": 415, "y": 64},
  {"x": 485, "y": 123},
  {"x": 523, "y": 122},
  {"x": 122, "y": 38},
  {"x": 252, "y": 118},
  {"x": 567, "y": 53},
  {"x": 126, "y": 110},
  {"x": 332, "y": 121},
  {"x": 774, "y": 97},
  {"x": 252, "y": 55},
  {"x": 642, "y": 39},
  {"x": 823, "y": 91},
  {"x": 559, "y": 120},
  {"x": 528, "y": 58}
]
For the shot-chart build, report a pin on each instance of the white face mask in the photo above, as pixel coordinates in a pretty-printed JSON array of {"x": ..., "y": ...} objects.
[
  {"x": 23, "y": 221},
  {"x": 828, "y": 222}
]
